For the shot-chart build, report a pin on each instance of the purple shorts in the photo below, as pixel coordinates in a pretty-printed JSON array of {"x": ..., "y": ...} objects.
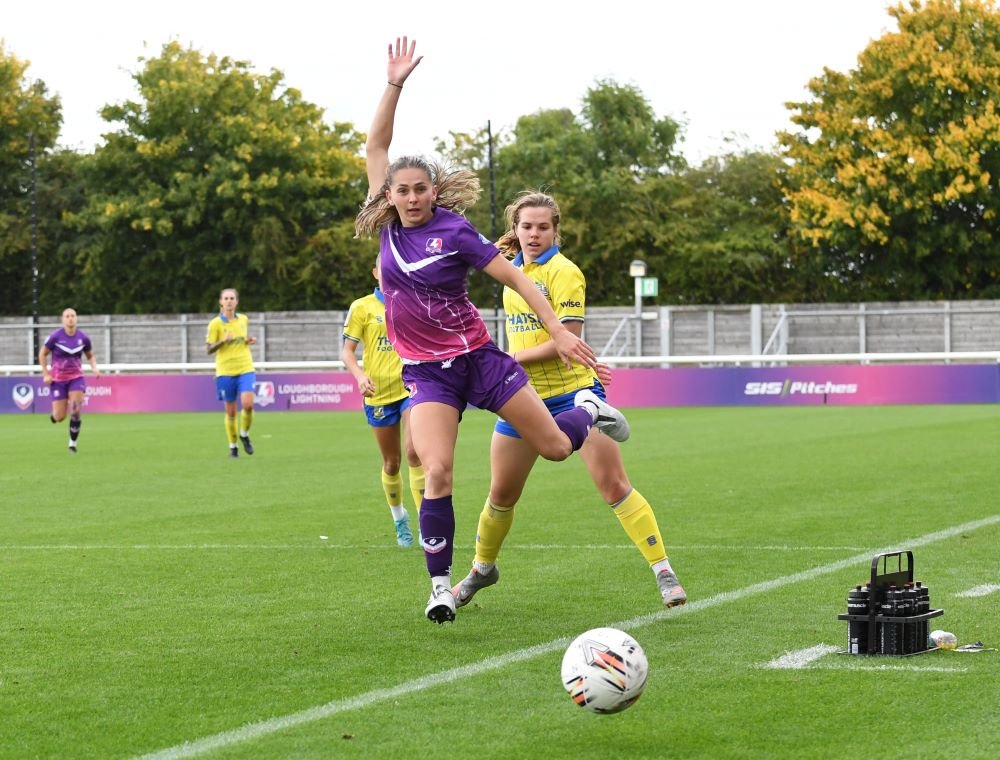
[
  {"x": 486, "y": 378},
  {"x": 61, "y": 390}
]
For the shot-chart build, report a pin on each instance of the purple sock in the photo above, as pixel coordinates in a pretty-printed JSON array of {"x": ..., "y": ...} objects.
[
  {"x": 576, "y": 424},
  {"x": 437, "y": 526}
]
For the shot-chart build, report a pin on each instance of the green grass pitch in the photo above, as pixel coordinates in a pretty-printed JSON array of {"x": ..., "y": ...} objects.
[{"x": 157, "y": 598}]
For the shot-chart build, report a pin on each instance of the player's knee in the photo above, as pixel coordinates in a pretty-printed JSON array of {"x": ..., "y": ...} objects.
[
  {"x": 390, "y": 465},
  {"x": 507, "y": 497},
  {"x": 556, "y": 449},
  {"x": 438, "y": 477},
  {"x": 613, "y": 489}
]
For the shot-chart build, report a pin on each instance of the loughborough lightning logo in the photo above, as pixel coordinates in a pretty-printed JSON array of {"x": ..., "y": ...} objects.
[
  {"x": 23, "y": 395},
  {"x": 264, "y": 393}
]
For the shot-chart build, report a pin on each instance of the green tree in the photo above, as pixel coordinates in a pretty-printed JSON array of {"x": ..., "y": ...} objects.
[
  {"x": 26, "y": 110},
  {"x": 895, "y": 164},
  {"x": 608, "y": 167},
  {"x": 712, "y": 234},
  {"x": 731, "y": 241},
  {"x": 219, "y": 177}
]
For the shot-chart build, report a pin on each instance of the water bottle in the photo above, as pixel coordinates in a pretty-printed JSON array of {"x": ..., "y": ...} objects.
[
  {"x": 889, "y": 631},
  {"x": 905, "y": 605},
  {"x": 923, "y": 605},
  {"x": 942, "y": 640},
  {"x": 857, "y": 630}
]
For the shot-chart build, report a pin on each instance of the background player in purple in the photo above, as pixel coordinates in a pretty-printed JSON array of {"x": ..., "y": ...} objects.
[
  {"x": 449, "y": 360},
  {"x": 67, "y": 346}
]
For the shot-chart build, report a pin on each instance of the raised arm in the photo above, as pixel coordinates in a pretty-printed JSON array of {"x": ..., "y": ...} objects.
[{"x": 401, "y": 64}]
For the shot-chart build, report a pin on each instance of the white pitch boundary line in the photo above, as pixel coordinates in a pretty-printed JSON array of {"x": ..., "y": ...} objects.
[
  {"x": 984, "y": 590},
  {"x": 909, "y": 668},
  {"x": 808, "y": 658},
  {"x": 394, "y": 548},
  {"x": 800, "y": 658},
  {"x": 312, "y": 714}
]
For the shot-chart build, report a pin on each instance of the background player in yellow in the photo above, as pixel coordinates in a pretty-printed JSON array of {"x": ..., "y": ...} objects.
[
  {"x": 533, "y": 235},
  {"x": 386, "y": 401},
  {"x": 235, "y": 377}
]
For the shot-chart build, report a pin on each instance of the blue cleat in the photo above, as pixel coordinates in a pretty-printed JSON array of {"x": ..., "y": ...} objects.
[{"x": 404, "y": 537}]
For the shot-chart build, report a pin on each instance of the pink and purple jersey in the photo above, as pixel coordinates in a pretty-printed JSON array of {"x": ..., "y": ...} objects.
[
  {"x": 425, "y": 271},
  {"x": 67, "y": 354}
]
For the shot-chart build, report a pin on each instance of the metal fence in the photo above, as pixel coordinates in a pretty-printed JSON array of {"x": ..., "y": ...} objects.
[{"x": 668, "y": 334}]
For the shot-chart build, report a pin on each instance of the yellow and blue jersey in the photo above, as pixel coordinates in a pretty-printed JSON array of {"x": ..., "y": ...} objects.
[
  {"x": 366, "y": 325},
  {"x": 563, "y": 284},
  {"x": 232, "y": 358}
]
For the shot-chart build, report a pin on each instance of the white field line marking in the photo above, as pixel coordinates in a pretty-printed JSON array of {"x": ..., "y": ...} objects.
[
  {"x": 392, "y": 547},
  {"x": 912, "y": 668},
  {"x": 800, "y": 658},
  {"x": 273, "y": 725},
  {"x": 984, "y": 590},
  {"x": 807, "y": 658}
]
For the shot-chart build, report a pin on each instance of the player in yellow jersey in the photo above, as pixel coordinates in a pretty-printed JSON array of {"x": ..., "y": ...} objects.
[
  {"x": 386, "y": 400},
  {"x": 227, "y": 338},
  {"x": 533, "y": 234}
]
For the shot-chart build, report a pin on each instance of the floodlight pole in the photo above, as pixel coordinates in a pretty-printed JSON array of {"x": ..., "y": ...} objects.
[
  {"x": 34, "y": 249},
  {"x": 637, "y": 270},
  {"x": 493, "y": 230}
]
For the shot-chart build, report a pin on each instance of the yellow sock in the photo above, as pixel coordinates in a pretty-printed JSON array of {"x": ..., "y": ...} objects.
[
  {"x": 231, "y": 428},
  {"x": 417, "y": 485},
  {"x": 494, "y": 525},
  {"x": 246, "y": 420},
  {"x": 639, "y": 522},
  {"x": 393, "y": 487}
]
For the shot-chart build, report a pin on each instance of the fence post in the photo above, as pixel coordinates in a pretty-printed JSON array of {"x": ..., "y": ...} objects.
[
  {"x": 711, "y": 331},
  {"x": 756, "y": 327},
  {"x": 783, "y": 335},
  {"x": 947, "y": 326},
  {"x": 107, "y": 337},
  {"x": 184, "y": 338},
  {"x": 862, "y": 330},
  {"x": 262, "y": 341},
  {"x": 32, "y": 332},
  {"x": 665, "y": 335}
]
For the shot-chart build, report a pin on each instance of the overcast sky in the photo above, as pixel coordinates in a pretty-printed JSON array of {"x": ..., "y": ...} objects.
[{"x": 724, "y": 68}]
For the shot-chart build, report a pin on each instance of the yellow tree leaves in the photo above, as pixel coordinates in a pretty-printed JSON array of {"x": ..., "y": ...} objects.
[{"x": 893, "y": 170}]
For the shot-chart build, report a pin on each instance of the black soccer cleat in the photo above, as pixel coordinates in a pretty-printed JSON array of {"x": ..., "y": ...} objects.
[
  {"x": 234, "y": 453},
  {"x": 247, "y": 446}
]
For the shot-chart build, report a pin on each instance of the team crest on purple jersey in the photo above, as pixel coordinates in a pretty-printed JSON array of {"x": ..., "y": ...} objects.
[{"x": 434, "y": 245}]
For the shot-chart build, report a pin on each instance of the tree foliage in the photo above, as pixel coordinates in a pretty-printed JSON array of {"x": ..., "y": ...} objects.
[
  {"x": 711, "y": 234},
  {"x": 221, "y": 177},
  {"x": 28, "y": 114},
  {"x": 896, "y": 164},
  {"x": 732, "y": 243},
  {"x": 215, "y": 175}
]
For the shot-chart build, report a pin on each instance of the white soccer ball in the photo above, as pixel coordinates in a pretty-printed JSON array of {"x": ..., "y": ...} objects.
[{"x": 604, "y": 670}]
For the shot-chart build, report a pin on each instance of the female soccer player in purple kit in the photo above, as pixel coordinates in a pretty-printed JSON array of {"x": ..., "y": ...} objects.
[
  {"x": 67, "y": 346},
  {"x": 449, "y": 360}
]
